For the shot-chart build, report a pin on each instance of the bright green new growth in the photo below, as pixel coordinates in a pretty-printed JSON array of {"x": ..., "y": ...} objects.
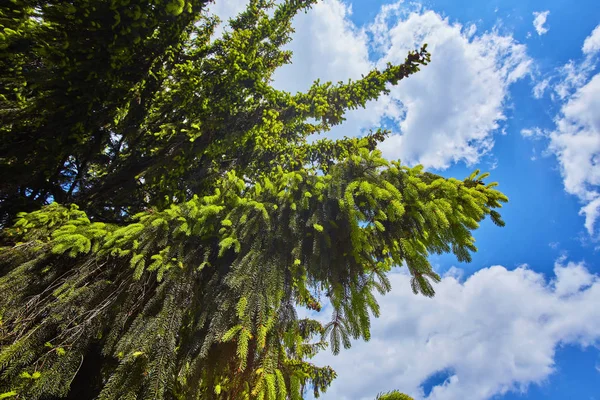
[
  {"x": 394, "y": 395},
  {"x": 209, "y": 218}
]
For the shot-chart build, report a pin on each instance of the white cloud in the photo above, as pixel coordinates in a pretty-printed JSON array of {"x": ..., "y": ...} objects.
[
  {"x": 539, "y": 20},
  {"x": 577, "y": 138},
  {"x": 592, "y": 43},
  {"x": 496, "y": 332},
  {"x": 454, "y": 105},
  {"x": 540, "y": 88},
  {"x": 532, "y": 132},
  {"x": 446, "y": 113},
  {"x": 570, "y": 279},
  {"x": 573, "y": 75},
  {"x": 576, "y": 143},
  {"x": 592, "y": 213},
  {"x": 454, "y": 272}
]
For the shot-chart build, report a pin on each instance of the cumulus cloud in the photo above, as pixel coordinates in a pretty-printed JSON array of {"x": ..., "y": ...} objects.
[
  {"x": 498, "y": 331},
  {"x": 451, "y": 109},
  {"x": 539, "y": 19}
]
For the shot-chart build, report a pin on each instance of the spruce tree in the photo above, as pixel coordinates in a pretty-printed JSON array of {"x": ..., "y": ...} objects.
[{"x": 165, "y": 211}]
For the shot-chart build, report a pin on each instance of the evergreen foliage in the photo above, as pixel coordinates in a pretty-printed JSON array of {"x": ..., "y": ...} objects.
[
  {"x": 393, "y": 395},
  {"x": 170, "y": 213}
]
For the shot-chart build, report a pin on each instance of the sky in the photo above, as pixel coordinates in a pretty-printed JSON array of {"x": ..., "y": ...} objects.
[{"x": 513, "y": 88}]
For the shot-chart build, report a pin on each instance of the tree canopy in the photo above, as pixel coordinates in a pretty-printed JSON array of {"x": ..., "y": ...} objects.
[{"x": 165, "y": 210}]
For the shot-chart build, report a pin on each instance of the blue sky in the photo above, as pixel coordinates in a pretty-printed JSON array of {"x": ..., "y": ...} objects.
[{"x": 514, "y": 89}]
